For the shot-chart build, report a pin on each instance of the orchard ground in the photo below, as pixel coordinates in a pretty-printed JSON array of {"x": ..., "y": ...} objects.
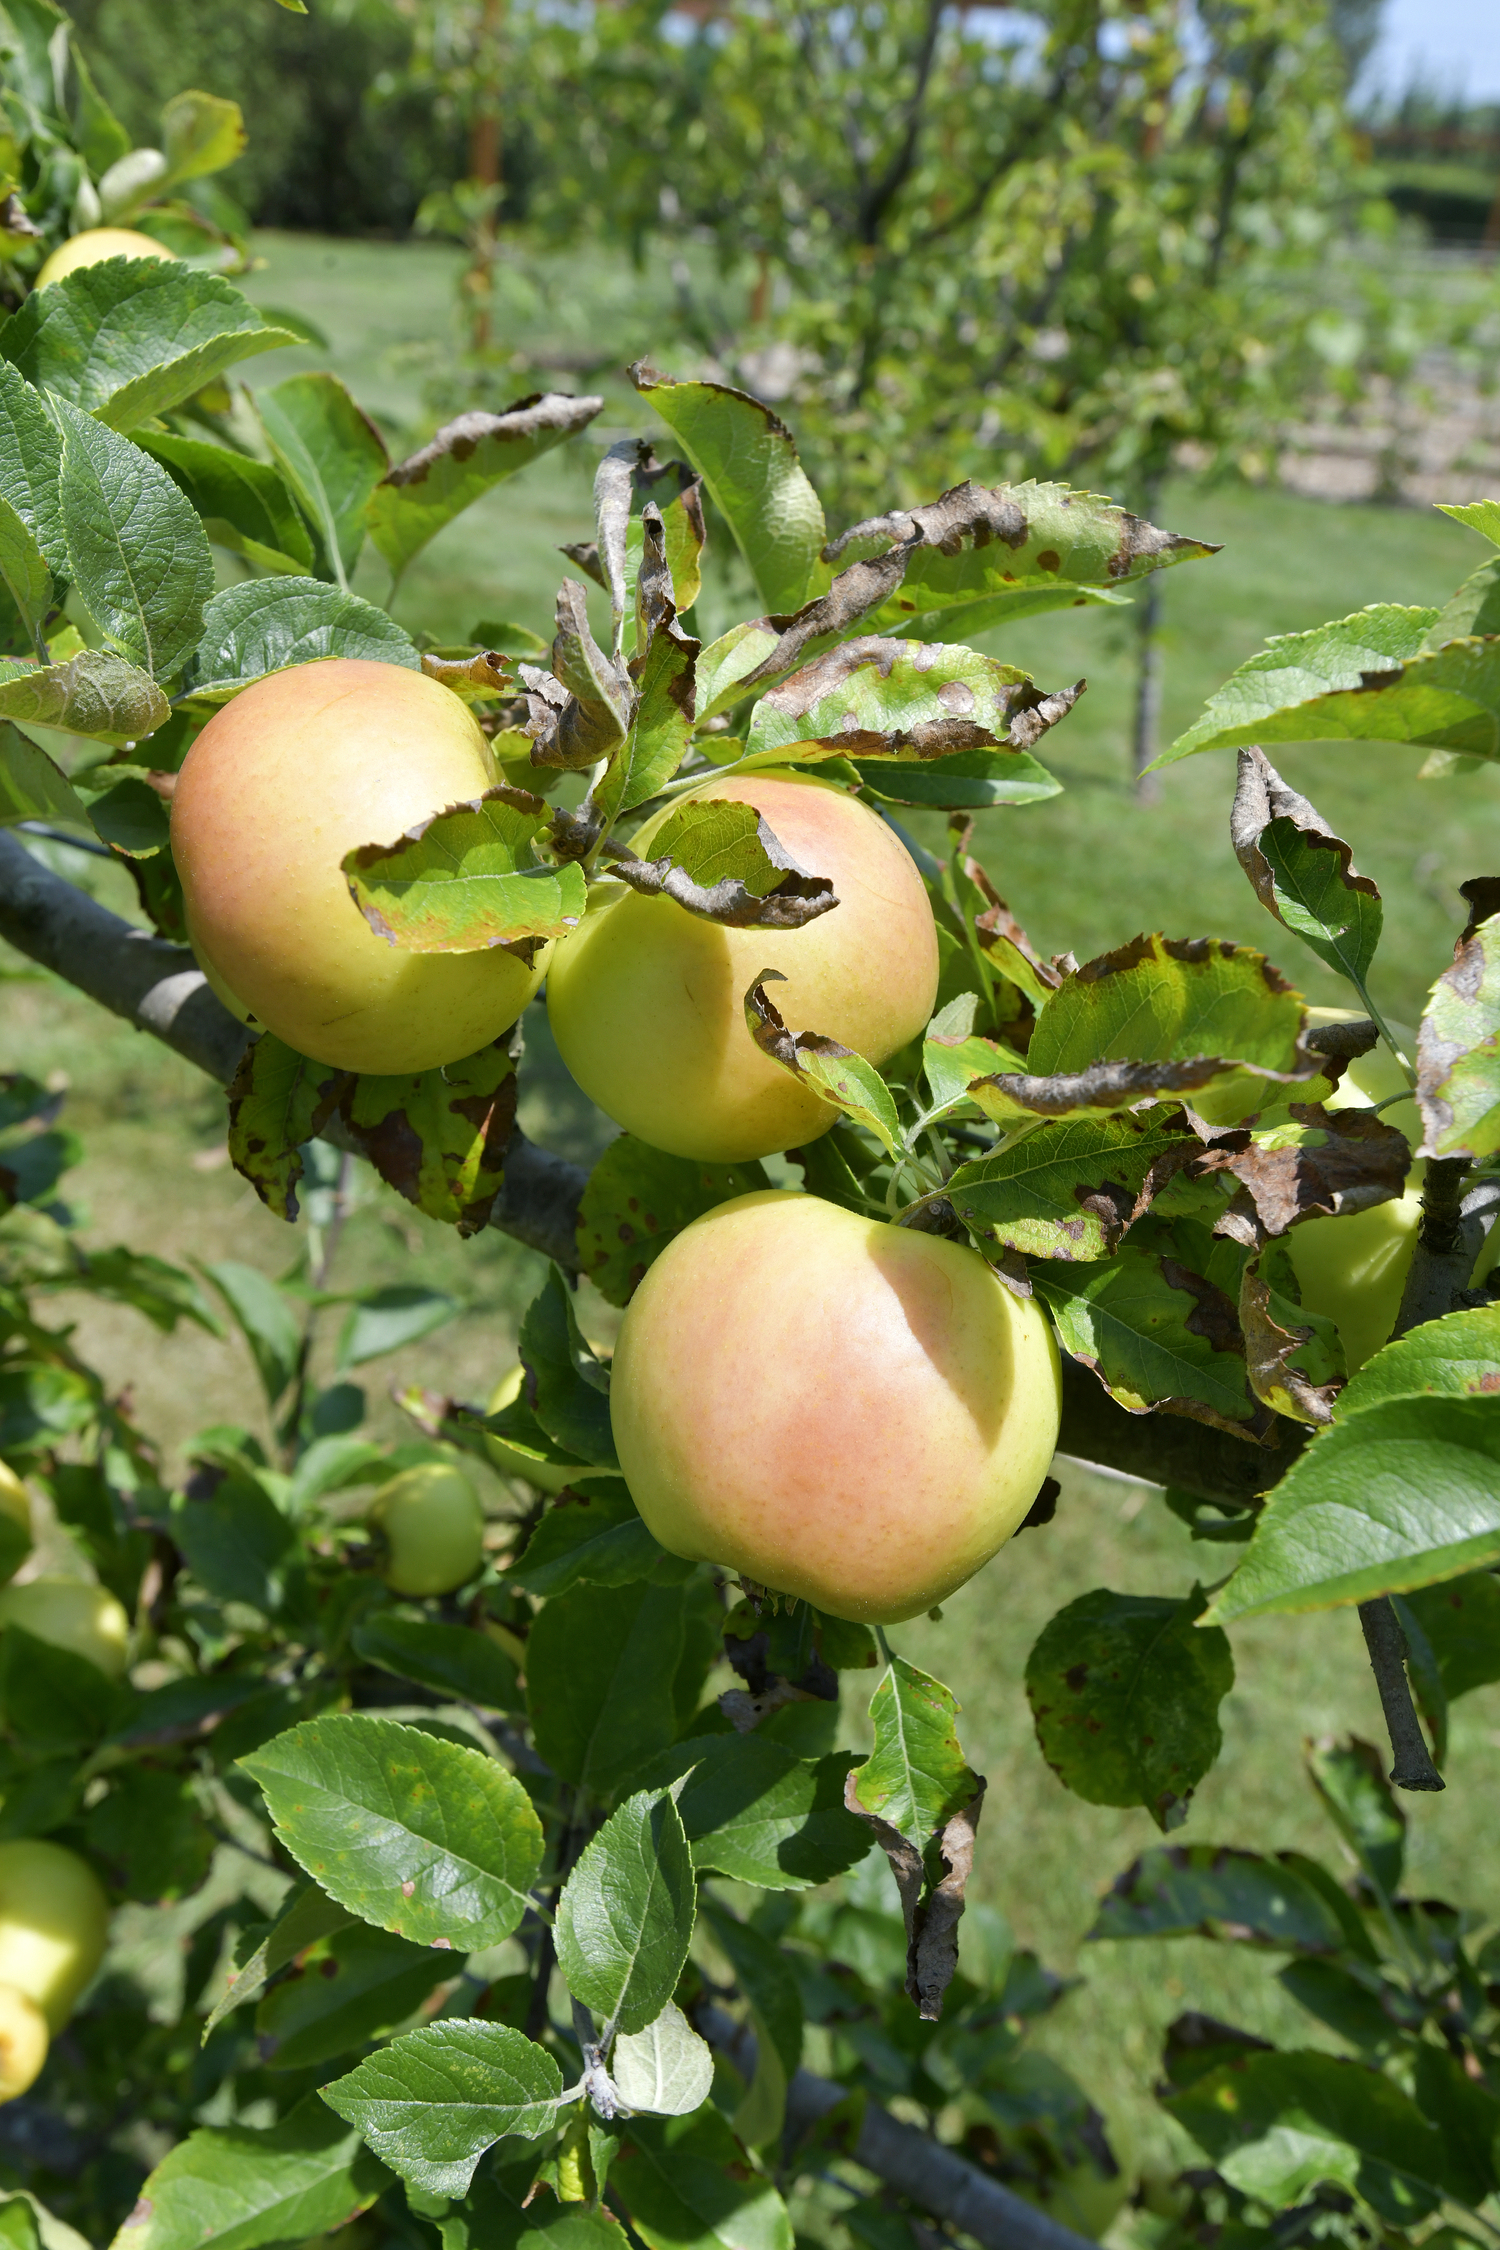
[{"x": 1085, "y": 871}]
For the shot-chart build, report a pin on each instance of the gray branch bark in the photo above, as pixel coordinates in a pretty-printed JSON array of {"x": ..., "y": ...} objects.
[
  {"x": 910, "y": 2161},
  {"x": 160, "y": 989}
]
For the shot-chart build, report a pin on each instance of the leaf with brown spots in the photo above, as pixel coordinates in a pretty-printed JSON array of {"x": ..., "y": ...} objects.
[
  {"x": 1072, "y": 1189},
  {"x": 1295, "y": 1359},
  {"x": 439, "y": 1136},
  {"x": 637, "y": 1199},
  {"x": 1323, "y": 1162},
  {"x": 1458, "y": 1054},
  {"x": 1301, "y": 871},
  {"x": 882, "y": 698},
  {"x": 719, "y": 858},
  {"x": 1125, "y": 1692},
  {"x": 461, "y": 463},
  {"x": 277, "y": 1101}
]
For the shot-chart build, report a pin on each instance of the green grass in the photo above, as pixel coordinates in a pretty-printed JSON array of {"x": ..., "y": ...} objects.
[{"x": 1084, "y": 871}]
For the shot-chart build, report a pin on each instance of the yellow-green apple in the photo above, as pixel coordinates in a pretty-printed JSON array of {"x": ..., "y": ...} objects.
[
  {"x": 23, "y": 2042},
  {"x": 433, "y": 1529},
  {"x": 54, "y": 1924},
  {"x": 92, "y": 247},
  {"x": 647, "y": 1001},
  {"x": 843, "y": 1410},
  {"x": 298, "y": 770},
  {"x": 71, "y": 1613},
  {"x": 1353, "y": 1269}
]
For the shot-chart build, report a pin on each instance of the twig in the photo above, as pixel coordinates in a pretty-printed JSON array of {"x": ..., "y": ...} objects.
[{"x": 1413, "y": 1767}]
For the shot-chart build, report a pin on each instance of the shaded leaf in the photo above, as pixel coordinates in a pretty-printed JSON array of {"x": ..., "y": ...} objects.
[
  {"x": 466, "y": 879},
  {"x": 684, "y": 2181},
  {"x": 1295, "y": 1365},
  {"x": 600, "y": 1667},
  {"x": 568, "y": 1386},
  {"x": 126, "y": 339},
  {"x": 236, "y": 1542},
  {"x": 1460, "y": 1621},
  {"x": 1350, "y": 1778},
  {"x": 457, "y": 1660},
  {"x": 355, "y": 1986},
  {"x": 970, "y": 780},
  {"x": 758, "y": 1814},
  {"x": 34, "y": 787},
  {"x": 265, "y": 624},
  {"x": 244, "y": 504},
  {"x": 625, "y": 1917},
  {"x": 1402, "y": 1494},
  {"x": 264, "y": 1318},
  {"x": 592, "y": 1535},
  {"x": 1125, "y": 1694},
  {"x": 230, "y": 2187},
  {"x": 1208, "y": 1890},
  {"x": 137, "y": 552},
  {"x": 432, "y": 2103},
  {"x": 1301, "y": 872},
  {"x": 31, "y": 465},
  {"x": 423, "y": 1838},
  {"x": 307, "y": 1915},
  {"x": 414, "y": 500}
]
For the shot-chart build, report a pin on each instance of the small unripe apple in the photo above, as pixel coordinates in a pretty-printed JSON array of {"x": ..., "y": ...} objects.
[
  {"x": 73, "y": 1614},
  {"x": 298, "y": 770},
  {"x": 839, "y": 1409},
  {"x": 24, "y": 2041},
  {"x": 646, "y": 1001},
  {"x": 94, "y": 245},
  {"x": 54, "y": 1924},
  {"x": 433, "y": 1527}
]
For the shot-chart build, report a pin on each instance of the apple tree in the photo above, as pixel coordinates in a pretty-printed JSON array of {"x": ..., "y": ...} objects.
[{"x": 512, "y": 1875}]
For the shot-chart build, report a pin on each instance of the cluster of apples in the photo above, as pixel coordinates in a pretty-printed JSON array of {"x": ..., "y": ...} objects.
[
  {"x": 54, "y": 1914},
  {"x": 838, "y": 1408}
]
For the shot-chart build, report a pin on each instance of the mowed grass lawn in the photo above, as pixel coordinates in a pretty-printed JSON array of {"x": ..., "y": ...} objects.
[{"x": 1084, "y": 871}]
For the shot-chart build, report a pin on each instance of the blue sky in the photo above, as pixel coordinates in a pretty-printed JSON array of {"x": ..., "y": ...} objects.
[{"x": 1457, "y": 43}]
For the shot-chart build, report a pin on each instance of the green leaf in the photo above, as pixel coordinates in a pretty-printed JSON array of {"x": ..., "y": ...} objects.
[
  {"x": 625, "y": 1917},
  {"x": 766, "y": 1979},
  {"x": 460, "y": 1661},
  {"x": 1351, "y": 1780},
  {"x": 637, "y": 1198},
  {"x": 138, "y": 555},
  {"x": 52, "y": 1698},
  {"x": 1366, "y": 678},
  {"x": 661, "y": 724},
  {"x": 719, "y": 858},
  {"x": 31, "y": 465},
  {"x": 467, "y": 879},
  {"x": 1125, "y": 1694},
  {"x": 421, "y": 1837},
  {"x": 96, "y": 693},
  {"x": 875, "y": 698},
  {"x": 309, "y": 1914},
  {"x": 356, "y": 1985},
  {"x": 685, "y": 2185},
  {"x": 833, "y": 1072},
  {"x": 32, "y": 787},
  {"x": 758, "y": 1814},
  {"x": 1156, "y": 1333},
  {"x": 1160, "y": 999},
  {"x": 1456, "y": 1357},
  {"x": 1302, "y": 872},
  {"x": 916, "y": 1777},
  {"x": 264, "y": 1318},
  {"x": 331, "y": 455},
  {"x": 600, "y": 1664},
  {"x": 200, "y": 133},
  {"x": 593, "y": 1536},
  {"x": 433, "y": 2102},
  {"x": 236, "y": 1542},
  {"x": 1011, "y": 551},
  {"x": 278, "y": 1101},
  {"x": 1208, "y": 1890},
  {"x": 420, "y": 495},
  {"x": 1458, "y": 1053},
  {"x": 1278, "y": 2125},
  {"x": 747, "y": 457},
  {"x": 382, "y": 1320},
  {"x": 1070, "y": 1190},
  {"x": 129, "y": 338},
  {"x": 1482, "y": 516},
  {"x": 1402, "y": 1494},
  {"x": 265, "y": 624},
  {"x": 244, "y": 504},
  {"x": 570, "y": 1395},
  {"x": 971, "y": 780},
  {"x": 229, "y": 2187},
  {"x": 666, "y": 2069},
  {"x": 23, "y": 569}
]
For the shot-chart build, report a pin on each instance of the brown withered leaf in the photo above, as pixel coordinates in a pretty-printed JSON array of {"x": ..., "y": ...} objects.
[
  {"x": 863, "y": 586},
  {"x": 584, "y": 555},
  {"x": 1269, "y": 1351},
  {"x": 1352, "y": 1161},
  {"x": 486, "y": 669},
  {"x": 579, "y": 713},
  {"x": 1102, "y": 1086},
  {"x": 931, "y": 1911},
  {"x": 439, "y": 1137}
]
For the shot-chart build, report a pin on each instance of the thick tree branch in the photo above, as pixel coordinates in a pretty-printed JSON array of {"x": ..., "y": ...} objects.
[
  {"x": 159, "y": 988},
  {"x": 916, "y": 2166}
]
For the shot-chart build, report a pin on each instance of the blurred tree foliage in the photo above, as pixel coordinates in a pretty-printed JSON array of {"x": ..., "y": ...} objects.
[{"x": 340, "y": 139}]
